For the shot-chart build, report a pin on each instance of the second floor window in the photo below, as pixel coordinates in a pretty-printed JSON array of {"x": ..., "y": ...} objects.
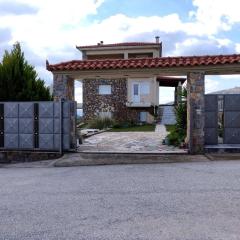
[{"x": 105, "y": 89}]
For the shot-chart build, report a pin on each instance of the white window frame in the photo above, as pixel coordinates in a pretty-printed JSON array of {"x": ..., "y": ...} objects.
[{"x": 105, "y": 89}]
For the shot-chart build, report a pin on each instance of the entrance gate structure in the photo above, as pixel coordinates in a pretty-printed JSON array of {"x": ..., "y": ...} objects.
[
  {"x": 38, "y": 126},
  {"x": 222, "y": 119},
  {"x": 194, "y": 67}
]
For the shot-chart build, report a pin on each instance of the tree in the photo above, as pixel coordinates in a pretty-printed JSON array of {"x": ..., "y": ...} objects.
[{"x": 19, "y": 80}]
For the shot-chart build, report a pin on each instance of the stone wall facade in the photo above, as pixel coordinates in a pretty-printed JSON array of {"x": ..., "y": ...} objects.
[
  {"x": 94, "y": 103},
  {"x": 63, "y": 87},
  {"x": 196, "y": 112}
]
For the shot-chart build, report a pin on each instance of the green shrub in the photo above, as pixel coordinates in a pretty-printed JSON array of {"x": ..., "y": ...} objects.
[
  {"x": 101, "y": 123},
  {"x": 178, "y": 132},
  {"x": 125, "y": 124}
]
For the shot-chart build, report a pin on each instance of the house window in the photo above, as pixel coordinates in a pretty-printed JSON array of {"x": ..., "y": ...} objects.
[
  {"x": 135, "y": 89},
  {"x": 105, "y": 89},
  {"x": 143, "y": 117}
]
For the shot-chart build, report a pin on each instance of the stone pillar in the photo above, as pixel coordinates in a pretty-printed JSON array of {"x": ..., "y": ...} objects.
[
  {"x": 63, "y": 87},
  {"x": 179, "y": 92},
  {"x": 195, "y": 112}
]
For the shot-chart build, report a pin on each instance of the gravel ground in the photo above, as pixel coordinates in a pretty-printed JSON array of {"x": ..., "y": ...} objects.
[{"x": 190, "y": 201}]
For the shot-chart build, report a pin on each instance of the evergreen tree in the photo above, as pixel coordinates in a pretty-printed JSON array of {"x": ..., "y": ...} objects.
[{"x": 19, "y": 80}]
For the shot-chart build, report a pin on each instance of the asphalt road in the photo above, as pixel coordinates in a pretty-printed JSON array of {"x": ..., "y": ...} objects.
[{"x": 184, "y": 201}]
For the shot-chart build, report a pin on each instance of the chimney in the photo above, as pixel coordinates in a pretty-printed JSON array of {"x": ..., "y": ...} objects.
[{"x": 157, "y": 39}]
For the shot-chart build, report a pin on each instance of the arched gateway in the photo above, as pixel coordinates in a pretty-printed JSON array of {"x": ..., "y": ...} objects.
[{"x": 129, "y": 73}]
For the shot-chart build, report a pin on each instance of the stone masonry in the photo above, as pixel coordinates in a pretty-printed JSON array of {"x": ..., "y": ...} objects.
[
  {"x": 196, "y": 112},
  {"x": 63, "y": 87},
  {"x": 94, "y": 103}
]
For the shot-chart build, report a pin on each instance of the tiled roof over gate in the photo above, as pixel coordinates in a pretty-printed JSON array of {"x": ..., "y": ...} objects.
[{"x": 162, "y": 62}]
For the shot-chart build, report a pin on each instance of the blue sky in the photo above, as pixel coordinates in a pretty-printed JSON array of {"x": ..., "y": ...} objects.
[
  {"x": 148, "y": 8},
  {"x": 51, "y": 29}
]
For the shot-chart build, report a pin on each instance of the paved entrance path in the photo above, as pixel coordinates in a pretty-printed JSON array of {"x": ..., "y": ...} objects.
[
  {"x": 128, "y": 141},
  {"x": 197, "y": 201}
]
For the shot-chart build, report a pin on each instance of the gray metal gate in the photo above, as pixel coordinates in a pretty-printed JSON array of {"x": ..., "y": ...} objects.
[
  {"x": 227, "y": 106},
  {"x": 211, "y": 119},
  {"x": 47, "y": 126},
  {"x": 231, "y": 134}
]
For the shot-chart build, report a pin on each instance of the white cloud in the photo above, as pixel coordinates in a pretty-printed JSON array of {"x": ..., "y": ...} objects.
[
  {"x": 211, "y": 85},
  {"x": 238, "y": 47},
  {"x": 230, "y": 77},
  {"x": 49, "y": 27},
  {"x": 216, "y": 14},
  {"x": 203, "y": 46},
  {"x": 59, "y": 25},
  {"x": 166, "y": 95},
  {"x": 78, "y": 91}
]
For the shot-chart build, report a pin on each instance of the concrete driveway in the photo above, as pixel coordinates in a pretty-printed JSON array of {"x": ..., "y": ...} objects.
[
  {"x": 128, "y": 142},
  {"x": 125, "y": 202}
]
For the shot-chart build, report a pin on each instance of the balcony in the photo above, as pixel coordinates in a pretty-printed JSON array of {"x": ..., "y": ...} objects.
[{"x": 139, "y": 104}]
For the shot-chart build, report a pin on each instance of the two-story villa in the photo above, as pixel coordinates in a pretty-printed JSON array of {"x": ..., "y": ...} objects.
[{"x": 126, "y": 98}]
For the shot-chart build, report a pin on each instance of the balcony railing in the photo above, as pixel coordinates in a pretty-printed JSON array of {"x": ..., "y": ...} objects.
[{"x": 139, "y": 104}]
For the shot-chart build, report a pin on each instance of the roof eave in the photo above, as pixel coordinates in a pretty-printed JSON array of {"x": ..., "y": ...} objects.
[
  {"x": 167, "y": 71},
  {"x": 104, "y": 48}
]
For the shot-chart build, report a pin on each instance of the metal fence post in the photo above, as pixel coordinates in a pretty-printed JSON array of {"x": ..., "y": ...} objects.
[
  {"x": 61, "y": 125},
  {"x": 191, "y": 129}
]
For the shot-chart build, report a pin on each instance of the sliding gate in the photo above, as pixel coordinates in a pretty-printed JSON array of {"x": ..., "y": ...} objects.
[
  {"x": 44, "y": 126},
  {"x": 222, "y": 119}
]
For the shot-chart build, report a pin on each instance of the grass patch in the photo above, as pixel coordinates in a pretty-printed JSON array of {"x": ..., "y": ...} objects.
[
  {"x": 143, "y": 128},
  {"x": 83, "y": 125},
  {"x": 170, "y": 128}
]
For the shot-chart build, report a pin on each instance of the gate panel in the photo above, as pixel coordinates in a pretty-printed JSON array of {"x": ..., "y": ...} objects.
[
  {"x": 11, "y": 141},
  {"x": 231, "y": 119},
  {"x": 11, "y": 125},
  {"x": 26, "y": 141},
  {"x": 46, "y": 141},
  {"x": 26, "y": 110},
  {"x": 11, "y": 112},
  {"x": 211, "y": 120},
  {"x": 46, "y": 125},
  {"x": 26, "y": 125},
  {"x": 231, "y": 102},
  {"x": 231, "y": 136},
  {"x": 1, "y": 125},
  {"x": 26, "y": 128}
]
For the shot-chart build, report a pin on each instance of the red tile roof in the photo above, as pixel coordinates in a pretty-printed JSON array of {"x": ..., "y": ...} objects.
[
  {"x": 124, "y": 44},
  {"x": 135, "y": 63}
]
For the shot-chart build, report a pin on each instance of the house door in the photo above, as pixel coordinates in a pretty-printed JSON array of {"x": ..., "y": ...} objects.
[{"x": 136, "y": 92}]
